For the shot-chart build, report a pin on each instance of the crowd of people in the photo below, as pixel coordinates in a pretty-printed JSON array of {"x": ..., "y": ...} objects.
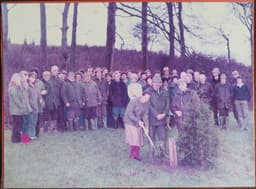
[{"x": 90, "y": 99}]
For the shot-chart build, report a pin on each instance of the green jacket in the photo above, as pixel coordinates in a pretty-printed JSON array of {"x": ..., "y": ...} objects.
[
  {"x": 18, "y": 101},
  {"x": 34, "y": 98},
  {"x": 40, "y": 86},
  {"x": 159, "y": 103}
]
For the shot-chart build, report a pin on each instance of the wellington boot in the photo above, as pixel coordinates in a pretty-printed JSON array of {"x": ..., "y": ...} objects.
[
  {"x": 76, "y": 123},
  {"x": 94, "y": 124},
  {"x": 86, "y": 124},
  {"x": 105, "y": 122}
]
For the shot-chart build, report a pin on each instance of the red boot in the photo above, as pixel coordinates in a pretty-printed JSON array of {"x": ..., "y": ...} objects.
[
  {"x": 25, "y": 138},
  {"x": 132, "y": 152},
  {"x": 137, "y": 153}
]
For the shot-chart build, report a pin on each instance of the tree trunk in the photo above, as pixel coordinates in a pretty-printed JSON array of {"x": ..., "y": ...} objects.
[
  {"x": 181, "y": 28},
  {"x": 228, "y": 47},
  {"x": 73, "y": 42},
  {"x": 43, "y": 41},
  {"x": 5, "y": 31},
  {"x": 144, "y": 42},
  {"x": 111, "y": 31},
  {"x": 171, "y": 31},
  {"x": 64, "y": 30}
]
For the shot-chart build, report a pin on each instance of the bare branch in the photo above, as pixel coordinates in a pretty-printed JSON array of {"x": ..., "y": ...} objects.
[
  {"x": 192, "y": 33},
  {"x": 122, "y": 39}
]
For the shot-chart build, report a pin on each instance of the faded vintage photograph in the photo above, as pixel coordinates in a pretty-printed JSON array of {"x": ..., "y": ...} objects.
[{"x": 128, "y": 94}]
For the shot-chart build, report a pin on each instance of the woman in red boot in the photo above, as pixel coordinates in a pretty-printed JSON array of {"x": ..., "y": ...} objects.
[
  {"x": 135, "y": 117},
  {"x": 18, "y": 107}
]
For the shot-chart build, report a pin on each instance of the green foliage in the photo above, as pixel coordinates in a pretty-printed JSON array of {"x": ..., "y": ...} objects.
[{"x": 197, "y": 140}]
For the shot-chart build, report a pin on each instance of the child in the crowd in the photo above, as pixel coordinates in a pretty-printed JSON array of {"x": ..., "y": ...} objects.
[
  {"x": 24, "y": 83},
  {"x": 36, "y": 102}
]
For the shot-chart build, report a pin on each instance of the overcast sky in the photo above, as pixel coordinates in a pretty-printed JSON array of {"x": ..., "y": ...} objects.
[{"x": 24, "y": 23}]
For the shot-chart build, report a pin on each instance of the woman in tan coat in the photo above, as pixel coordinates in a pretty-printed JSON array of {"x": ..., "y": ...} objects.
[{"x": 135, "y": 117}]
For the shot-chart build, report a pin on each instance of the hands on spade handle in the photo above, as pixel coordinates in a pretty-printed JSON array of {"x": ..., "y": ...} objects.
[{"x": 141, "y": 124}]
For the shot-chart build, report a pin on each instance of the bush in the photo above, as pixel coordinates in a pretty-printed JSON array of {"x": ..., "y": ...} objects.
[{"x": 197, "y": 140}]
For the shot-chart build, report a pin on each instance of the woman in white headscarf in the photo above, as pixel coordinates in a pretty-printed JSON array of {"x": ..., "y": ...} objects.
[{"x": 134, "y": 89}]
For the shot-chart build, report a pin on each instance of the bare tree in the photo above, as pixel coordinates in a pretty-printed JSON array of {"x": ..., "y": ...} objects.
[
  {"x": 73, "y": 42},
  {"x": 5, "y": 24},
  {"x": 5, "y": 20},
  {"x": 144, "y": 42},
  {"x": 181, "y": 28},
  {"x": 171, "y": 30},
  {"x": 243, "y": 11},
  {"x": 160, "y": 22},
  {"x": 64, "y": 30},
  {"x": 152, "y": 33},
  {"x": 110, "y": 38},
  {"x": 226, "y": 38},
  {"x": 43, "y": 41}
]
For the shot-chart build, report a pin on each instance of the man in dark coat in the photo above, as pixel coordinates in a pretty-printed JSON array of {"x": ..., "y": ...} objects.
[
  {"x": 235, "y": 75},
  {"x": 71, "y": 94},
  {"x": 223, "y": 94},
  {"x": 190, "y": 82},
  {"x": 119, "y": 98},
  {"x": 104, "y": 91},
  {"x": 159, "y": 106},
  {"x": 215, "y": 80},
  {"x": 182, "y": 102},
  {"x": 47, "y": 99},
  {"x": 55, "y": 84},
  {"x": 205, "y": 91}
]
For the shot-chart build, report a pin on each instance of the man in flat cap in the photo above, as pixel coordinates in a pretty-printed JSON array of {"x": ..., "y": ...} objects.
[{"x": 158, "y": 111}]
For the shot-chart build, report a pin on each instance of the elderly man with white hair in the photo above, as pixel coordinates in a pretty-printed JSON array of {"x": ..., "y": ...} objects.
[{"x": 55, "y": 108}]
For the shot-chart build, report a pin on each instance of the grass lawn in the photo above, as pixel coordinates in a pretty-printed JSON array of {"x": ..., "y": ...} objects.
[{"x": 100, "y": 159}]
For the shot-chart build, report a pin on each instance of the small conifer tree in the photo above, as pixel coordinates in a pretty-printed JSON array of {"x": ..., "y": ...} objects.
[{"x": 196, "y": 138}]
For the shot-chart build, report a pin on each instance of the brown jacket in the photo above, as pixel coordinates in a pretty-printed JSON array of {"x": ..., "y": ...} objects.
[
  {"x": 223, "y": 94},
  {"x": 136, "y": 112},
  {"x": 184, "y": 102},
  {"x": 91, "y": 94}
]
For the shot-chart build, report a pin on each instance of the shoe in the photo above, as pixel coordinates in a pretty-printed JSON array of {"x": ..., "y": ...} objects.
[
  {"x": 137, "y": 158},
  {"x": 34, "y": 138}
]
